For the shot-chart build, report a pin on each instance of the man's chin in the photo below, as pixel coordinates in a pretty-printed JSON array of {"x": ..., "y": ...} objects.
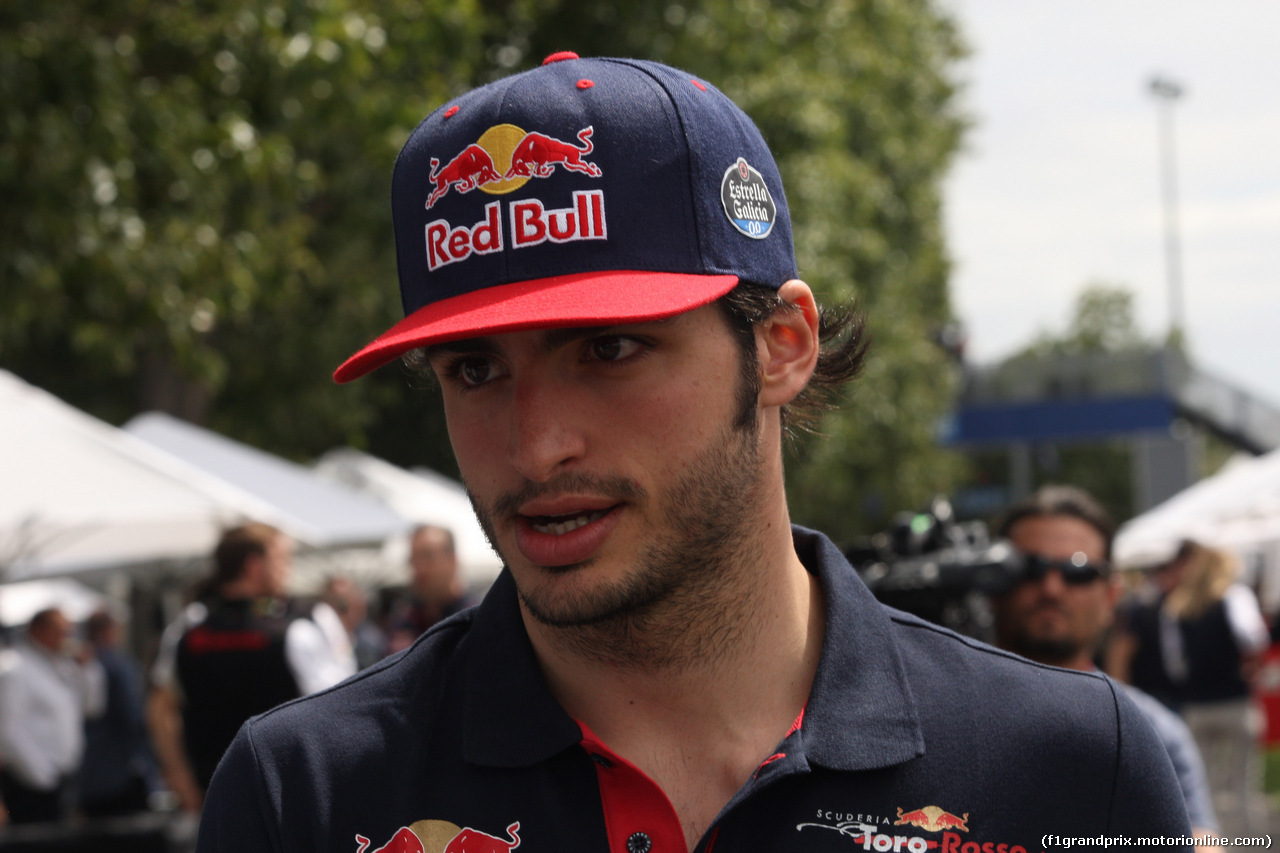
[
  {"x": 564, "y": 601},
  {"x": 1051, "y": 650}
]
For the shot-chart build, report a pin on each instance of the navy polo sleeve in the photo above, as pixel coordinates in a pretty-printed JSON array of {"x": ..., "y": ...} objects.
[
  {"x": 1146, "y": 801},
  {"x": 236, "y": 816}
]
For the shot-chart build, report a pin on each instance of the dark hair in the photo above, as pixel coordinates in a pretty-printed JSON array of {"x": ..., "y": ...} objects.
[
  {"x": 1062, "y": 500},
  {"x": 842, "y": 345},
  {"x": 426, "y": 528},
  {"x": 98, "y": 624},
  {"x": 841, "y": 337},
  {"x": 42, "y": 618},
  {"x": 236, "y": 546}
]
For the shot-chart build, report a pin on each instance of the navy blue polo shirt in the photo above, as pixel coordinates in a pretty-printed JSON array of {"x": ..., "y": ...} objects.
[{"x": 913, "y": 739}]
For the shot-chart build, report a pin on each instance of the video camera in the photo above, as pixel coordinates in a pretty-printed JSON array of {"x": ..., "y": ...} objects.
[{"x": 941, "y": 570}]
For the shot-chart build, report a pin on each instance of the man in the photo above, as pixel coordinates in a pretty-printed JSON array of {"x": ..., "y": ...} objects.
[
  {"x": 47, "y": 690},
  {"x": 118, "y": 768},
  {"x": 239, "y": 650},
  {"x": 438, "y": 591},
  {"x": 596, "y": 256},
  {"x": 1061, "y": 611},
  {"x": 349, "y": 601}
]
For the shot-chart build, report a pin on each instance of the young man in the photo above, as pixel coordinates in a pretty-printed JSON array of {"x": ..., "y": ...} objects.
[
  {"x": 238, "y": 650},
  {"x": 596, "y": 263},
  {"x": 1060, "y": 612}
]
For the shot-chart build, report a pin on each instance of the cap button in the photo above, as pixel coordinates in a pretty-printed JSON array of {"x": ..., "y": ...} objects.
[{"x": 560, "y": 56}]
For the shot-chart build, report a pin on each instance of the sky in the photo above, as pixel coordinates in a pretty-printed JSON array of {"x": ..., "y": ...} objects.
[{"x": 1059, "y": 183}]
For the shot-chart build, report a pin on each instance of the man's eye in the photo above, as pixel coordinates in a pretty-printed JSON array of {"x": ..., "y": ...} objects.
[
  {"x": 613, "y": 348},
  {"x": 474, "y": 372}
]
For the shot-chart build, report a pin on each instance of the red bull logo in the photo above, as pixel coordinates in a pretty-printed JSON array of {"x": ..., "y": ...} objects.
[
  {"x": 932, "y": 819},
  {"x": 502, "y": 160},
  {"x": 506, "y": 157},
  {"x": 439, "y": 836},
  {"x": 469, "y": 170}
]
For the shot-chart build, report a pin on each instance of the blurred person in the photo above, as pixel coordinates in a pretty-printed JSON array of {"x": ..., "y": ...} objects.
[
  {"x": 1145, "y": 633},
  {"x": 437, "y": 590},
  {"x": 665, "y": 662},
  {"x": 240, "y": 649},
  {"x": 1061, "y": 610},
  {"x": 49, "y": 686},
  {"x": 368, "y": 643},
  {"x": 118, "y": 766},
  {"x": 1221, "y": 633}
]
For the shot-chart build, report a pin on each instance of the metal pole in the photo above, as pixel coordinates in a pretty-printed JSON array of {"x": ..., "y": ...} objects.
[{"x": 1166, "y": 92}]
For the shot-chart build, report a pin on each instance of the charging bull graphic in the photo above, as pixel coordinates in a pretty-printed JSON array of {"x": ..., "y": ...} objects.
[
  {"x": 932, "y": 819},
  {"x": 537, "y": 156},
  {"x": 505, "y": 158},
  {"x": 438, "y": 836},
  {"x": 470, "y": 169}
]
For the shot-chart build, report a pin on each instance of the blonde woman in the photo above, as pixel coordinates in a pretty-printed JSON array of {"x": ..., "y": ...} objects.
[{"x": 1219, "y": 632}]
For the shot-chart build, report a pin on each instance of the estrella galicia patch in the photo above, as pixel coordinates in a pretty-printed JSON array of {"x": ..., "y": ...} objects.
[{"x": 746, "y": 200}]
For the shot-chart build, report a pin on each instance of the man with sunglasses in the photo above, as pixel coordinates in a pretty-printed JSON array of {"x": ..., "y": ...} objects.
[{"x": 1060, "y": 611}]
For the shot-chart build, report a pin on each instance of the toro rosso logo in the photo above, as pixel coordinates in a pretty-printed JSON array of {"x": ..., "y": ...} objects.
[
  {"x": 869, "y": 832},
  {"x": 438, "y": 836},
  {"x": 502, "y": 160}
]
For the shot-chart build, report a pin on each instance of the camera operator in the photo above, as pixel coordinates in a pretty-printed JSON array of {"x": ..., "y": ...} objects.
[{"x": 1061, "y": 607}]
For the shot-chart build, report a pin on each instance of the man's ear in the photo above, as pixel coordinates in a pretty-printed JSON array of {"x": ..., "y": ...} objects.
[{"x": 788, "y": 345}]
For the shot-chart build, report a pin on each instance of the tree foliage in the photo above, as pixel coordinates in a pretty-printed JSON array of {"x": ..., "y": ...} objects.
[
  {"x": 1102, "y": 322},
  {"x": 196, "y": 212}
]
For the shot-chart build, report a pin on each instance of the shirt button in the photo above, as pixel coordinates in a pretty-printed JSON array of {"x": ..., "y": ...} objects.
[{"x": 639, "y": 843}]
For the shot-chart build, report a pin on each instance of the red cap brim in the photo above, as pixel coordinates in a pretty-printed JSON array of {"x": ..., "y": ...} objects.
[{"x": 581, "y": 299}]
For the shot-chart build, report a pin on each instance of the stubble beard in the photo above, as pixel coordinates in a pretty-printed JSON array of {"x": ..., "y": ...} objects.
[
  {"x": 687, "y": 598},
  {"x": 1051, "y": 650},
  {"x": 1042, "y": 647}
]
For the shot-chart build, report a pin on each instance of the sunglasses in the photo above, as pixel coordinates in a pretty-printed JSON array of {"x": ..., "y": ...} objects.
[{"x": 1076, "y": 570}]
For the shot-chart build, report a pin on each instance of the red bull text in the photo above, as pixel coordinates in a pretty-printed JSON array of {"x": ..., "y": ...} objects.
[
  {"x": 531, "y": 224},
  {"x": 502, "y": 160}
]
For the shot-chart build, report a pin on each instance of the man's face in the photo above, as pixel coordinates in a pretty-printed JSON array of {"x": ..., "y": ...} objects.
[
  {"x": 603, "y": 463},
  {"x": 432, "y": 564},
  {"x": 1048, "y": 619},
  {"x": 53, "y": 633},
  {"x": 277, "y": 565}
]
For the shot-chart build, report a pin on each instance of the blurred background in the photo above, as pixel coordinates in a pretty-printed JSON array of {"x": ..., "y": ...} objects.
[{"x": 1060, "y": 217}]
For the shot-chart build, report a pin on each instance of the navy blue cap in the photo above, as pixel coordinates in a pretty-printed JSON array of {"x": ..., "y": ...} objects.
[{"x": 582, "y": 192}]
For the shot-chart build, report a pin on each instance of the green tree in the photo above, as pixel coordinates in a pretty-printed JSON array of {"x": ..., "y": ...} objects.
[
  {"x": 1102, "y": 322},
  {"x": 197, "y": 215},
  {"x": 196, "y": 194}
]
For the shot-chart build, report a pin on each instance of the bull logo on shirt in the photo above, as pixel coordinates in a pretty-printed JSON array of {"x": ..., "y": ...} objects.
[
  {"x": 439, "y": 836},
  {"x": 932, "y": 819}
]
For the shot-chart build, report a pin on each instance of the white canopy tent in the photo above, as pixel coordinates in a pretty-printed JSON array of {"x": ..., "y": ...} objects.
[
  {"x": 1238, "y": 508},
  {"x": 24, "y": 599},
  {"x": 341, "y": 529},
  {"x": 424, "y": 497},
  {"x": 79, "y": 495}
]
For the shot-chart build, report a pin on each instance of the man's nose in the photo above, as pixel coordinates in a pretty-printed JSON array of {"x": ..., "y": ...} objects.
[
  {"x": 1053, "y": 582},
  {"x": 545, "y": 431}
]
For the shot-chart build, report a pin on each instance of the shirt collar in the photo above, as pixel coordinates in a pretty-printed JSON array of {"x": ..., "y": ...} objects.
[{"x": 860, "y": 715}]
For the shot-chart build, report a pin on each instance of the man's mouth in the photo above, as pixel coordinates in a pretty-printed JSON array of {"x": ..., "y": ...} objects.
[
  {"x": 558, "y": 525},
  {"x": 565, "y": 538}
]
